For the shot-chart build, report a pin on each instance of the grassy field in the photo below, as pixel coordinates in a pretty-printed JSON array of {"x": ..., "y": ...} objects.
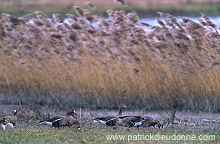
[
  {"x": 67, "y": 135},
  {"x": 194, "y": 127}
]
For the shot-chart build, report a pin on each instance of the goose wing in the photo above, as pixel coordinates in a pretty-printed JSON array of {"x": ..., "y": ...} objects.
[
  {"x": 111, "y": 122},
  {"x": 132, "y": 121},
  {"x": 133, "y": 118},
  {"x": 56, "y": 118},
  {"x": 57, "y": 122},
  {"x": 50, "y": 121},
  {"x": 66, "y": 121},
  {"x": 11, "y": 119},
  {"x": 108, "y": 120}
]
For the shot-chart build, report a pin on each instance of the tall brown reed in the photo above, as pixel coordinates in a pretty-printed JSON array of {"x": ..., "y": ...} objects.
[{"x": 71, "y": 62}]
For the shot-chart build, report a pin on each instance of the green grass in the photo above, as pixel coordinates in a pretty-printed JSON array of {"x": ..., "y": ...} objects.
[
  {"x": 143, "y": 11},
  {"x": 16, "y": 11},
  {"x": 68, "y": 135}
]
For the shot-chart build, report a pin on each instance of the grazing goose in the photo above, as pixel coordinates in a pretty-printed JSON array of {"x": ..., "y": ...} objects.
[
  {"x": 5, "y": 124},
  {"x": 110, "y": 120},
  {"x": 12, "y": 119},
  {"x": 62, "y": 121},
  {"x": 137, "y": 121}
]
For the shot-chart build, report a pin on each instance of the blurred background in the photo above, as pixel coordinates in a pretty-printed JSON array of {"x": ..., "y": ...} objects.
[{"x": 145, "y": 8}]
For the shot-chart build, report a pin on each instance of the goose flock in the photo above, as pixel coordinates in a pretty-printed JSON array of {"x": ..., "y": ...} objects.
[
  {"x": 128, "y": 121},
  {"x": 69, "y": 119}
]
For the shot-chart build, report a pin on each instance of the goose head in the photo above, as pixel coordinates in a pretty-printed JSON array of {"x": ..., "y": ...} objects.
[
  {"x": 123, "y": 106},
  {"x": 71, "y": 112},
  {"x": 120, "y": 110}
]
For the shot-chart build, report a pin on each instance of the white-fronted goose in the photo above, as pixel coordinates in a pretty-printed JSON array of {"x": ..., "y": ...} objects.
[
  {"x": 151, "y": 122},
  {"x": 62, "y": 121},
  {"x": 110, "y": 120},
  {"x": 12, "y": 119},
  {"x": 129, "y": 121},
  {"x": 137, "y": 121},
  {"x": 66, "y": 121},
  {"x": 5, "y": 124}
]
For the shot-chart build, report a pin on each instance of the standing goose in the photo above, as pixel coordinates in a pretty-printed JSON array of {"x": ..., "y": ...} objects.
[
  {"x": 12, "y": 119},
  {"x": 110, "y": 120},
  {"x": 5, "y": 124}
]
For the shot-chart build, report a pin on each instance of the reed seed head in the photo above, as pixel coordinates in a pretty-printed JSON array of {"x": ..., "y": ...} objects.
[{"x": 79, "y": 11}]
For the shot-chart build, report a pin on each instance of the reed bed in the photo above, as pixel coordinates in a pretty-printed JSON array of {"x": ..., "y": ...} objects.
[{"x": 89, "y": 61}]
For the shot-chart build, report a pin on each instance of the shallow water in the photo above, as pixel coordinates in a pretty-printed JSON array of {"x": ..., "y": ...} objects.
[{"x": 153, "y": 21}]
